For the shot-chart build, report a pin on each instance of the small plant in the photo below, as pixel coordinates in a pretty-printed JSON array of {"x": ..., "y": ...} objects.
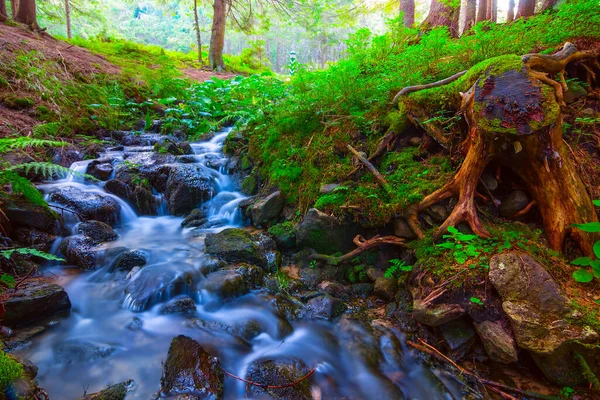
[
  {"x": 396, "y": 268},
  {"x": 30, "y": 252},
  {"x": 357, "y": 273},
  {"x": 312, "y": 264},
  {"x": 463, "y": 245},
  {"x": 585, "y": 275},
  {"x": 10, "y": 370},
  {"x": 476, "y": 300},
  {"x": 567, "y": 392}
]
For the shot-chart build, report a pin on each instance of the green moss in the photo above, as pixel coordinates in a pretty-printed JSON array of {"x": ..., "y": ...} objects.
[
  {"x": 250, "y": 185},
  {"x": 284, "y": 234},
  {"x": 17, "y": 103},
  {"x": 10, "y": 370}
]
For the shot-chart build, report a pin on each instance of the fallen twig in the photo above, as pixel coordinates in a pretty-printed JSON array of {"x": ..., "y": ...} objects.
[
  {"x": 363, "y": 245},
  {"x": 380, "y": 178}
]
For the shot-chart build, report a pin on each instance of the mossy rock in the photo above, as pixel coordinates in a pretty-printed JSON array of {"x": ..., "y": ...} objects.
[
  {"x": 114, "y": 392},
  {"x": 250, "y": 185},
  {"x": 284, "y": 234},
  {"x": 235, "y": 245},
  {"x": 280, "y": 372}
]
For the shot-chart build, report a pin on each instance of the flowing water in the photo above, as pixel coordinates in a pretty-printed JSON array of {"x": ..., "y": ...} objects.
[{"x": 108, "y": 338}]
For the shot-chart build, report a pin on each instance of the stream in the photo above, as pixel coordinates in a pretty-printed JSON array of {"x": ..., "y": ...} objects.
[{"x": 110, "y": 337}]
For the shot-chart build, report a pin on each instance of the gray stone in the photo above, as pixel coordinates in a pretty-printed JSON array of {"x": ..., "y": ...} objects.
[
  {"x": 35, "y": 299},
  {"x": 267, "y": 209},
  {"x": 97, "y": 231},
  {"x": 235, "y": 245},
  {"x": 325, "y": 307},
  {"x": 325, "y": 234},
  {"x": 438, "y": 212},
  {"x": 459, "y": 336},
  {"x": 188, "y": 185},
  {"x": 436, "y": 314},
  {"x": 226, "y": 284},
  {"x": 77, "y": 250},
  {"x": 100, "y": 169},
  {"x": 182, "y": 305},
  {"x": 195, "y": 219},
  {"x": 114, "y": 392},
  {"x": 87, "y": 204},
  {"x": 402, "y": 229},
  {"x": 127, "y": 260},
  {"x": 386, "y": 287},
  {"x": 489, "y": 181},
  {"x": 497, "y": 341},
  {"x": 513, "y": 203},
  {"x": 329, "y": 187}
]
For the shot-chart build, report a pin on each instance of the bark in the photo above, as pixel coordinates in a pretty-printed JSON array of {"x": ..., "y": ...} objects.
[
  {"x": 441, "y": 14},
  {"x": 14, "y": 6},
  {"x": 526, "y": 8},
  {"x": 510, "y": 15},
  {"x": 482, "y": 11},
  {"x": 198, "y": 35},
  {"x": 546, "y": 4},
  {"x": 470, "y": 14},
  {"x": 501, "y": 111},
  {"x": 26, "y": 14},
  {"x": 408, "y": 8},
  {"x": 493, "y": 10},
  {"x": 3, "y": 12},
  {"x": 217, "y": 37},
  {"x": 68, "y": 15}
]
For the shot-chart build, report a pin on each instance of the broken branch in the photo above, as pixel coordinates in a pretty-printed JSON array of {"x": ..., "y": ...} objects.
[
  {"x": 363, "y": 245},
  {"x": 380, "y": 178}
]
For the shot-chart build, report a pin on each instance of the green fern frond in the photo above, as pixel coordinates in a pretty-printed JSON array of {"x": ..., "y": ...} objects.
[
  {"x": 22, "y": 142},
  {"x": 22, "y": 186},
  {"x": 49, "y": 170},
  {"x": 26, "y": 251}
]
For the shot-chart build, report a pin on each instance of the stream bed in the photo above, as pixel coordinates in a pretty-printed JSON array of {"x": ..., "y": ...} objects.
[{"x": 118, "y": 329}]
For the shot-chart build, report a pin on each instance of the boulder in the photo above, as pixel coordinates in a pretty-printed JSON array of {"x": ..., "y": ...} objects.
[
  {"x": 127, "y": 260},
  {"x": 325, "y": 307},
  {"x": 279, "y": 372},
  {"x": 284, "y": 235},
  {"x": 235, "y": 245},
  {"x": 22, "y": 213},
  {"x": 249, "y": 185},
  {"x": 191, "y": 371},
  {"x": 513, "y": 203},
  {"x": 35, "y": 299},
  {"x": 226, "y": 284},
  {"x": 188, "y": 185},
  {"x": 100, "y": 169},
  {"x": 196, "y": 218},
  {"x": 267, "y": 209},
  {"x": 98, "y": 231},
  {"x": 436, "y": 314},
  {"x": 497, "y": 341},
  {"x": 87, "y": 204},
  {"x": 75, "y": 351},
  {"x": 114, "y": 392},
  {"x": 29, "y": 237},
  {"x": 325, "y": 234},
  {"x": 386, "y": 288},
  {"x": 77, "y": 250},
  {"x": 171, "y": 145},
  {"x": 402, "y": 229},
  {"x": 459, "y": 336},
  {"x": 182, "y": 305},
  {"x": 117, "y": 187}
]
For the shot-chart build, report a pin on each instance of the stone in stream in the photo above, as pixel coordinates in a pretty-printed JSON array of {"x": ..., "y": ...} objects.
[
  {"x": 386, "y": 287},
  {"x": 24, "y": 387},
  {"x": 35, "y": 299},
  {"x": 190, "y": 371},
  {"x": 114, "y": 392},
  {"x": 100, "y": 169},
  {"x": 497, "y": 341},
  {"x": 77, "y": 250},
  {"x": 98, "y": 231},
  {"x": 235, "y": 245},
  {"x": 75, "y": 351},
  {"x": 195, "y": 218},
  {"x": 284, "y": 235},
  {"x": 30, "y": 237},
  {"x": 267, "y": 209},
  {"x": 127, "y": 260},
  {"x": 459, "y": 336},
  {"x": 279, "y": 372},
  {"x": 171, "y": 145},
  {"x": 88, "y": 205},
  {"x": 188, "y": 185},
  {"x": 325, "y": 307},
  {"x": 25, "y": 214},
  {"x": 540, "y": 318},
  {"x": 226, "y": 284},
  {"x": 183, "y": 305}
]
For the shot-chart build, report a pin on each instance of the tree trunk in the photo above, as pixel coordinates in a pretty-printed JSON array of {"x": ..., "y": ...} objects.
[
  {"x": 217, "y": 37},
  {"x": 493, "y": 10},
  {"x": 3, "y": 12},
  {"x": 482, "y": 11},
  {"x": 198, "y": 36},
  {"x": 26, "y": 14},
  {"x": 510, "y": 15},
  {"x": 68, "y": 15},
  {"x": 546, "y": 4},
  {"x": 14, "y": 6},
  {"x": 470, "y": 14},
  {"x": 526, "y": 8},
  {"x": 408, "y": 8},
  {"x": 441, "y": 14},
  {"x": 515, "y": 122}
]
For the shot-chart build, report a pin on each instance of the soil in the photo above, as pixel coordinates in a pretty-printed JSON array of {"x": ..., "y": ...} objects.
[{"x": 201, "y": 75}]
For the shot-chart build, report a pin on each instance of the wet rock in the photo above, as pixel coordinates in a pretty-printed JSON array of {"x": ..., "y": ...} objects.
[
  {"x": 171, "y": 145},
  {"x": 334, "y": 289},
  {"x": 267, "y": 209},
  {"x": 80, "y": 351},
  {"x": 497, "y": 341},
  {"x": 188, "y": 185},
  {"x": 576, "y": 91},
  {"x": 128, "y": 260},
  {"x": 436, "y": 314},
  {"x": 311, "y": 277},
  {"x": 287, "y": 308},
  {"x": 374, "y": 273},
  {"x": 196, "y": 218},
  {"x": 66, "y": 156},
  {"x": 402, "y": 229},
  {"x": 513, "y": 203},
  {"x": 22, "y": 213},
  {"x": 179, "y": 306},
  {"x": 325, "y": 307},
  {"x": 280, "y": 372},
  {"x": 253, "y": 275},
  {"x": 100, "y": 169},
  {"x": 35, "y": 299},
  {"x": 249, "y": 185},
  {"x": 284, "y": 235},
  {"x": 77, "y": 250},
  {"x": 386, "y": 287},
  {"x": 325, "y": 234},
  {"x": 24, "y": 387},
  {"x": 438, "y": 212},
  {"x": 235, "y": 245},
  {"x": 226, "y": 284},
  {"x": 117, "y": 187},
  {"x": 154, "y": 283},
  {"x": 98, "y": 231},
  {"x": 136, "y": 324},
  {"x": 459, "y": 336},
  {"x": 29, "y": 237},
  {"x": 490, "y": 182},
  {"x": 88, "y": 205},
  {"x": 30, "y": 370},
  {"x": 362, "y": 290},
  {"x": 114, "y": 392},
  {"x": 189, "y": 370},
  {"x": 538, "y": 314}
]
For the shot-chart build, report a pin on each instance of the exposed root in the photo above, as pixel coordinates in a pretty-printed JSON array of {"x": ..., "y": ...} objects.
[
  {"x": 363, "y": 245},
  {"x": 416, "y": 88},
  {"x": 371, "y": 168}
]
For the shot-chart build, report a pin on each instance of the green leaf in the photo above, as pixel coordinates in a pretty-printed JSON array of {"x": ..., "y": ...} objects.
[
  {"x": 476, "y": 300},
  {"x": 597, "y": 249},
  {"x": 8, "y": 280},
  {"x": 595, "y": 264},
  {"x": 596, "y": 202},
  {"x": 596, "y": 273},
  {"x": 453, "y": 230},
  {"x": 589, "y": 227},
  {"x": 447, "y": 245},
  {"x": 582, "y": 275},
  {"x": 582, "y": 261}
]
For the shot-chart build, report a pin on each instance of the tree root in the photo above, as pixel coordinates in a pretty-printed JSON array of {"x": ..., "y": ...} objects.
[
  {"x": 416, "y": 88},
  {"x": 383, "y": 147},
  {"x": 363, "y": 245}
]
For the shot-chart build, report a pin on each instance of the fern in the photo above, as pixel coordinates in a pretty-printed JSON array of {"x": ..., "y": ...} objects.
[
  {"x": 7, "y": 144},
  {"x": 22, "y": 186},
  {"x": 397, "y": 267},
  {"x": 26, "y": 251}
]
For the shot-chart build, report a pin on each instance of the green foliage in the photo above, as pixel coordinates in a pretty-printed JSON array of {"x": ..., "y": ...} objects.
[
  {"x": 567, "y": 392},
  {"x": 312, "y": 264},
  {"x": 356, "y": 273},
  {"x": 30, "y": 252},
  {"x": 583, "y": 275},
  {"x": 476, "y": 300},
  {"x": 10, "y": 370},
  {"x": 463, "y": 246},
  {"x": 396, "y": 268}
]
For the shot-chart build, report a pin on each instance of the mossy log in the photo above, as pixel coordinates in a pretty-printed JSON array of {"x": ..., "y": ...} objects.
[{"x": 513, "y": 115}]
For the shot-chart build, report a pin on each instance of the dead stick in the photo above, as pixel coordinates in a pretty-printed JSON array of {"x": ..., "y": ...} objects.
[
  {"x": 368, "y": 164},
  {"x": 432, "y": 351}
]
